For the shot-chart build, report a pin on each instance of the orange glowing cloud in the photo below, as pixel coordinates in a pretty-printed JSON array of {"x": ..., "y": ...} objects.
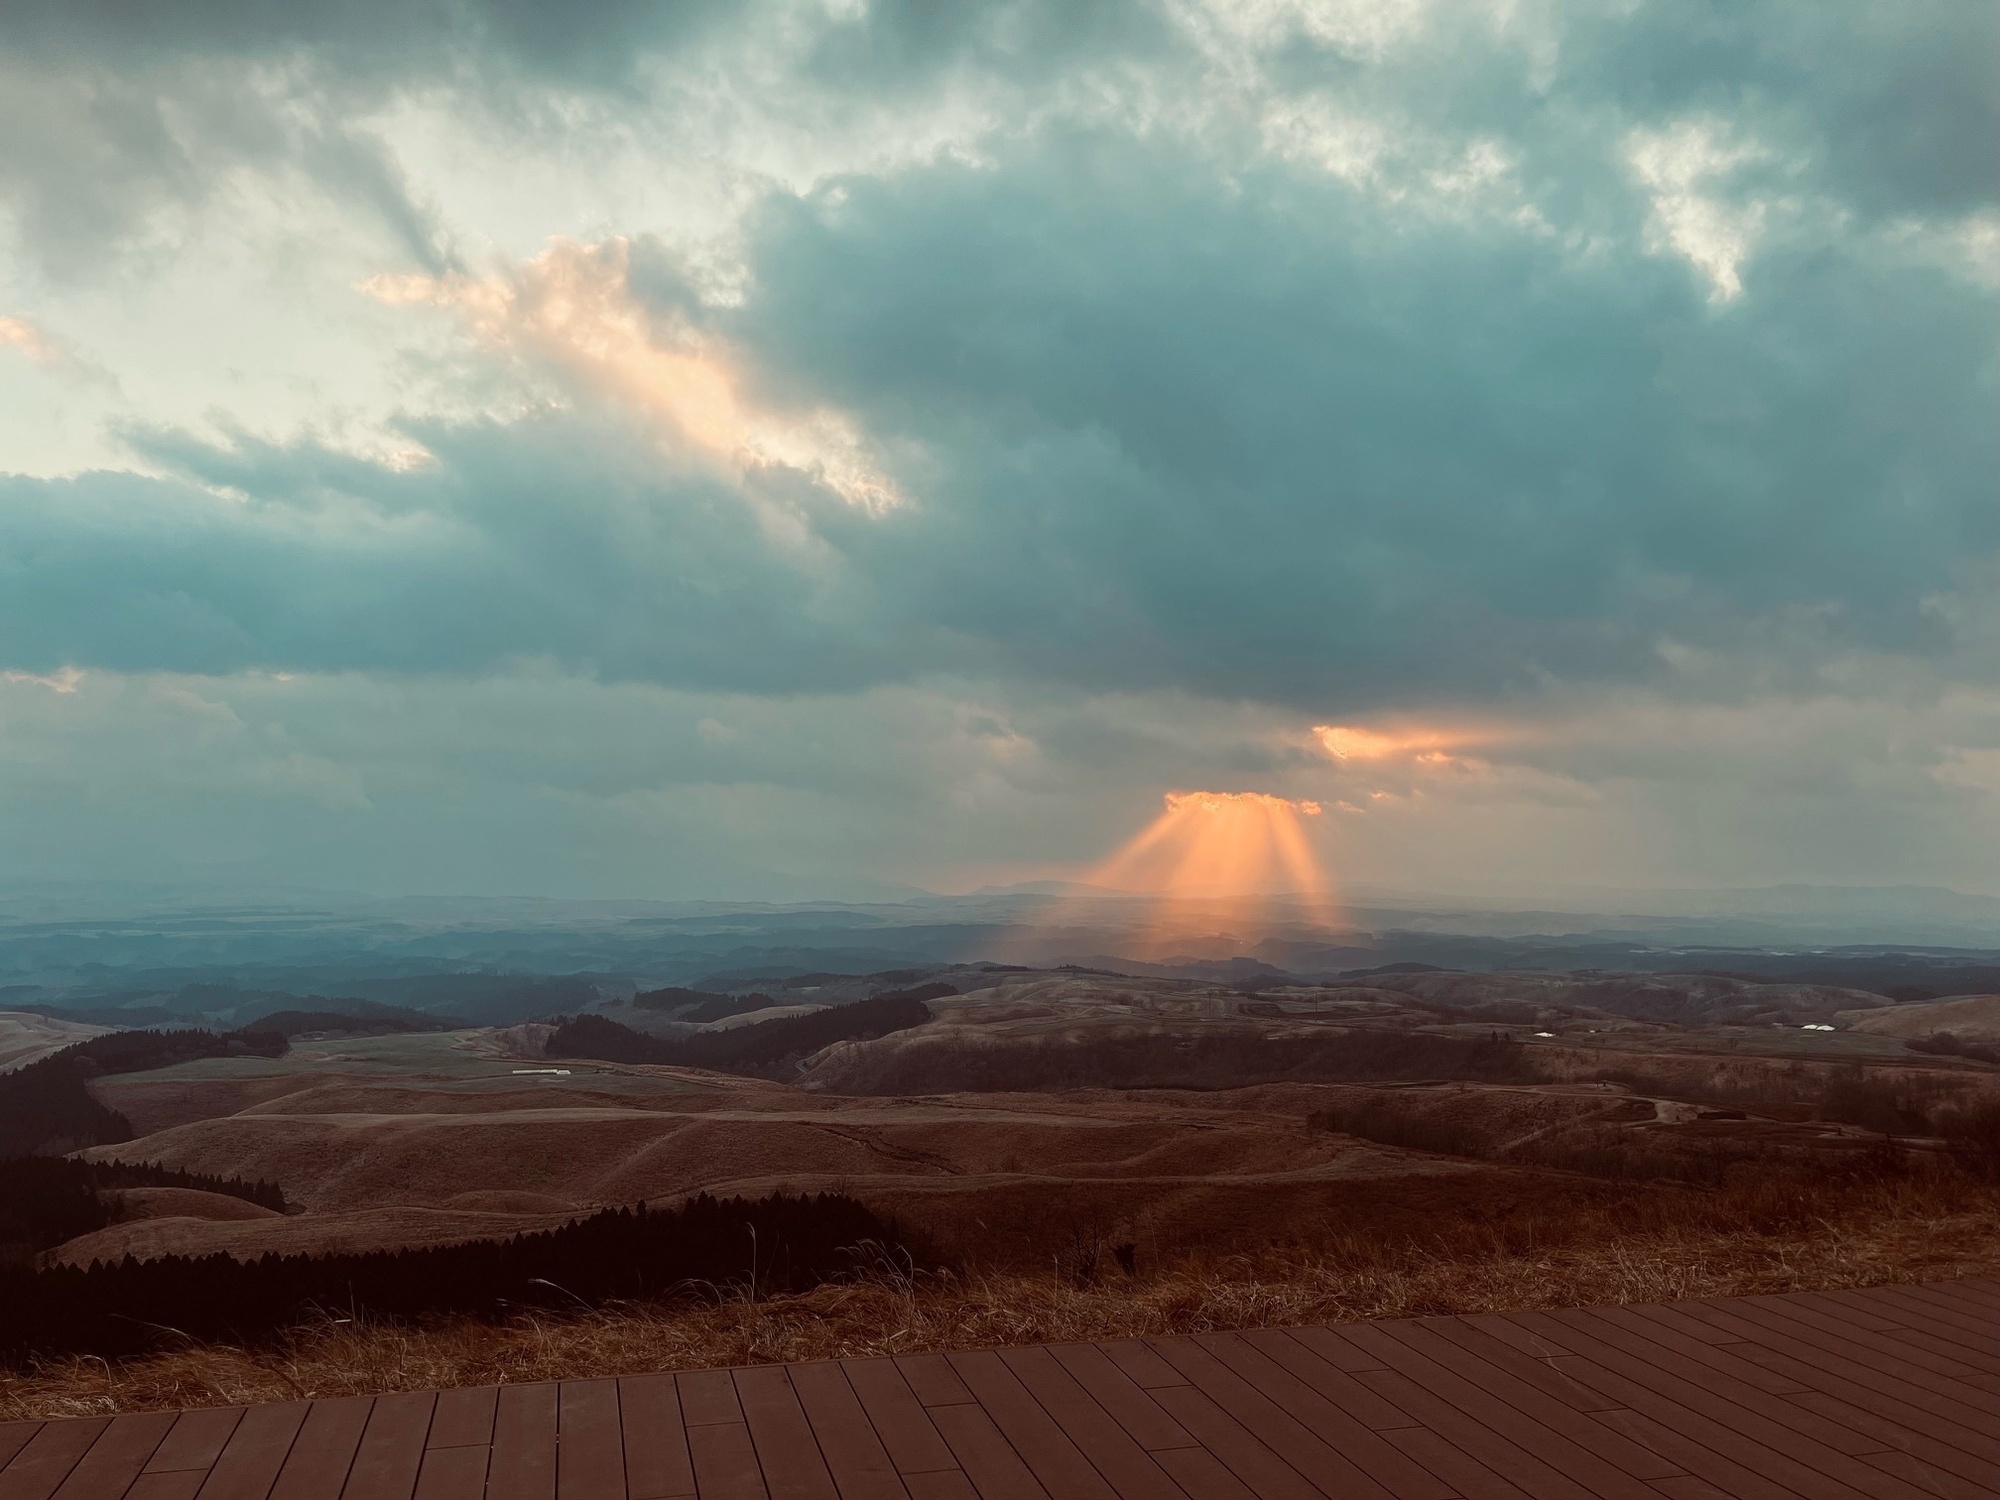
[
  {"x": 572, "y": 308},
  {"x": 31, "y": 341},
  {"x": 1347, "y": 742},
  {"x": 1239, "y": 852}
]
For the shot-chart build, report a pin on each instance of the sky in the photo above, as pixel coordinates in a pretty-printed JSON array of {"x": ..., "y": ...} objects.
[{"x": 784, "y": 449}]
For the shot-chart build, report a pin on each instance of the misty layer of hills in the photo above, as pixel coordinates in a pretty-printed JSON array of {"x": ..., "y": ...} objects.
[{"x": 130, "y": 957}]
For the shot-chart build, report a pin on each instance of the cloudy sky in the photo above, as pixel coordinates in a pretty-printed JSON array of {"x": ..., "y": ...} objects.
[{"x": 811, "y": 446}]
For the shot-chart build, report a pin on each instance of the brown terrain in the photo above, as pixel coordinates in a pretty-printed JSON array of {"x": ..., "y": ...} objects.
[{"x": 1020, "y": 1121}]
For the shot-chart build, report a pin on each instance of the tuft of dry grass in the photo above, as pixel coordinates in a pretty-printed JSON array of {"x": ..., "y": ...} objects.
[{"x": 1651, "y": 1246}]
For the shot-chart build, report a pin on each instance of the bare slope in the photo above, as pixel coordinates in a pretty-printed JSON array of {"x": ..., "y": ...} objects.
[
  {"x": 26, "y": 1038},
  {"x": 1970, "y": 1018}
]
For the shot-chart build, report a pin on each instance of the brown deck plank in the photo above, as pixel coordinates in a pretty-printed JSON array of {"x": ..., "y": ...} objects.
[
  {"x": 1239, "y": 1450},
  {"x": 522, "y": 1465},
  {"x": 984, "y": 1454},
  {"x": 1847, "y": 1385},
  {"x": 1301, "y": 1353},
  {"x": 456, "y": 1472},
  {"x": 1881, "y": 1356},
  {"x": 906, "y": 1432},
  {"x": 1789, "y": 1378},
  {"x": 1893, "y": 1436},
  {"x": 1548, "y": 1414},
  {"x": 196, "y": 1439},
  {"x": 1272, "y": 1426},
  {"x": 169, "y": 1484},
  {"x": 657, "y": 1463},
  {"x": 1530, "y": 1370},
  {"x": 1854, "y": 1311},
  {"x": 392, "y": 1448},
  {"x": 1718, "y": 1468},
  {"x": 316, "y": 1467},
  {"x": 1111, "y": 1450},
  {"x": 117, "y": 1458},
  {"x": 860, "y": 1464},
  {"x": 1717, "y": 1388},
  {"x": 1931, "y": 1298},
  {"x": 255, "y": 1453},
  {"x": 590, "y": 1447},
  {"x": 1806, "y": 1470},
  {"x": 1333, "y": 1405},
  {"x": 1466, "y": 1474},
  {"x": 1448, "y": 1380},
  {"x": 14, "y": 1436},
  {"x": 1913, "y": 1311},
  {"x": 1900, "y": 1347},
  {"x": 1980, "y": 1294},
  {"x": 1202, "y": 1475},
  {"x": 725, "y": 1462},
  {"x": 1935, "y": 1481},
  {"x": 1980, "y": 1311},
  {"x": 1487, "y": 1446},
  {"x": 1710, "y": 1354},
  {"x": 932, "y": 1380},
  {"x": 464, "y": 1418},
  {"x": 1839, "y": 1401},
  {"x": 45, "y": 1460},
  {"x": 1142, "y": 1366},
  {"x": 940, "y": 1484},
  {"x": 1063, "y": 1469},
  {"x": 1959, "y": 1344},
  {"x": 708, "y": 1396},
  {"x": 1821, "y": 1454},
  {"x": 1811, "y": 1364},
  {"x": 1111, "y": 1388},
  {"x": 1334, "y": 1351},
  {"x": 1688, "y": 1487},
  {"x": 787, "y": 1451}
]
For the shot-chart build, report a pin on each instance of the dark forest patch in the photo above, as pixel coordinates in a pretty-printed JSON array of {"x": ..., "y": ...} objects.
[
  {"x": 45, "y": 1107},
  {"x": 766, "y": 1049},
  {"x": 770, "y": 1245}
]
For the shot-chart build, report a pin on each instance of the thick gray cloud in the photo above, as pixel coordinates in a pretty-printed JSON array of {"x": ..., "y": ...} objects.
[
  {"x": 1245, "y": 436},
  {"x": 1246, "y": 432}
]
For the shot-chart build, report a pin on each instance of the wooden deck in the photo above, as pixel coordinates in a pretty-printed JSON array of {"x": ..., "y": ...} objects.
[{"x": 1889, "y": 1394}]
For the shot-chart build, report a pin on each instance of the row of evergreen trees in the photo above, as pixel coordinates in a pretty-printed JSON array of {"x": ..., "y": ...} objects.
[
  {"x": 765, "y": 1049},
  {"x": 45, "y": 1200},
  {"x": 776, "y": 1244}
]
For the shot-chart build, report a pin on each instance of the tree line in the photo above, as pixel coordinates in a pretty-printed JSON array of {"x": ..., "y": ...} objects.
[
  {"x": 46, "y": 1108},
  {"x": 766, "y": 1049},
  {"x": 781, "y": 1243},
  {"x": 45, "y": 1200}
]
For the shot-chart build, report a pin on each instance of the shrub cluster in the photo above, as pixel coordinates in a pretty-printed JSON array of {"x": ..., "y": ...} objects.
[{"x": 1949, "y": 1044}]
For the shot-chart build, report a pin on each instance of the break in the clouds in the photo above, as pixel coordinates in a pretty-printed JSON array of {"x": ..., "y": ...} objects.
[{"x": 983, "y": 419}]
